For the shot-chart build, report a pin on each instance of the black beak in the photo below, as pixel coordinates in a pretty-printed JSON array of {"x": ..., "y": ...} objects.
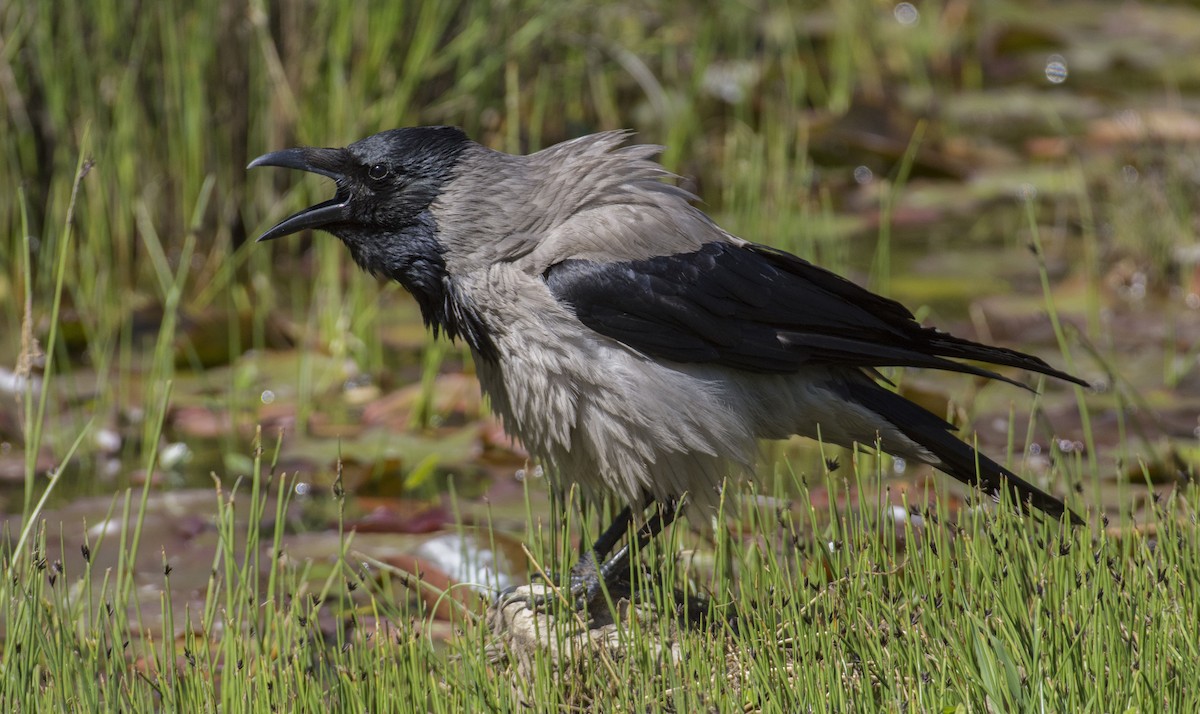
[{"x": 326, "y": 162}]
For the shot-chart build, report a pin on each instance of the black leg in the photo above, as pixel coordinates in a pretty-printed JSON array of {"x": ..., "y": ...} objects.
[
  {"x": 612, "y": 535},
  {"x": 589, "y": 557},
  {"x": 596, "y": 569},
  {"x": 618, "y": 564},
  {"x": 588, "y": 577}
]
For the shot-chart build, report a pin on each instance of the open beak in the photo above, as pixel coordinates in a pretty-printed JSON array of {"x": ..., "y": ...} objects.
[{"x": 326, "y": 162}]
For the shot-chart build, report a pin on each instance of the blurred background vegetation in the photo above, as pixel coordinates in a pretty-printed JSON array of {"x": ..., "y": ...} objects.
[{"x": 1022, "y": 172}]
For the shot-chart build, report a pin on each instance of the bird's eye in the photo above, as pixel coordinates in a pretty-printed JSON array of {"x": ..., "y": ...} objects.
[{"x": 378, "y": 172}]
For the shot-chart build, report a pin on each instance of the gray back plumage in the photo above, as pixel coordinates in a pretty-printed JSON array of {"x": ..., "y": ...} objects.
[{"x": 589, "y": 198}]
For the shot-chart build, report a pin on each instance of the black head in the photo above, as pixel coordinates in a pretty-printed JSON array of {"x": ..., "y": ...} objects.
[
  {"x": 381, "y": 211},
  {"x": 384, "y": 182}
]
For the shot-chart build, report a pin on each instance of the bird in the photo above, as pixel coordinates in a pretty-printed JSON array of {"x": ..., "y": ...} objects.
[{"x": 634, "y": 347}]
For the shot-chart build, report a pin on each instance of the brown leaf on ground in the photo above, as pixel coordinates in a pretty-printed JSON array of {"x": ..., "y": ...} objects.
[{"x": 398, "y": 515}]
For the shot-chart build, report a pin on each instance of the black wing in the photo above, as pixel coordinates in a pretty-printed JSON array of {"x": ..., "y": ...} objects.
[{"x": 761, "y": 310}]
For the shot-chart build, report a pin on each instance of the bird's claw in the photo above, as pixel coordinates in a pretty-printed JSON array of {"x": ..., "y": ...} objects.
[{"x": 583, "y": 588}]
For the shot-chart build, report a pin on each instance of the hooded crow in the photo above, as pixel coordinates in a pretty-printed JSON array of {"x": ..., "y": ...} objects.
[{"x": 632, "y": 345}]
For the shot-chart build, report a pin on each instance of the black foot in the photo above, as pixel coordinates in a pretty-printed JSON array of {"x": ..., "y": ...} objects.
[
  {"x": 590, "y": 577},
  {"x": 587, "y": 583}
]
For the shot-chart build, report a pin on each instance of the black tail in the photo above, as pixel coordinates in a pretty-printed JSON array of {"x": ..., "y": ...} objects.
[
  {"x": 956, "y": 457},
  {"x": 946, "y": 345}
]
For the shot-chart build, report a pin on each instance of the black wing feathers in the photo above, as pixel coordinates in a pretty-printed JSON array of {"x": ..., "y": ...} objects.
[{"x": 762, "y": 310}]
